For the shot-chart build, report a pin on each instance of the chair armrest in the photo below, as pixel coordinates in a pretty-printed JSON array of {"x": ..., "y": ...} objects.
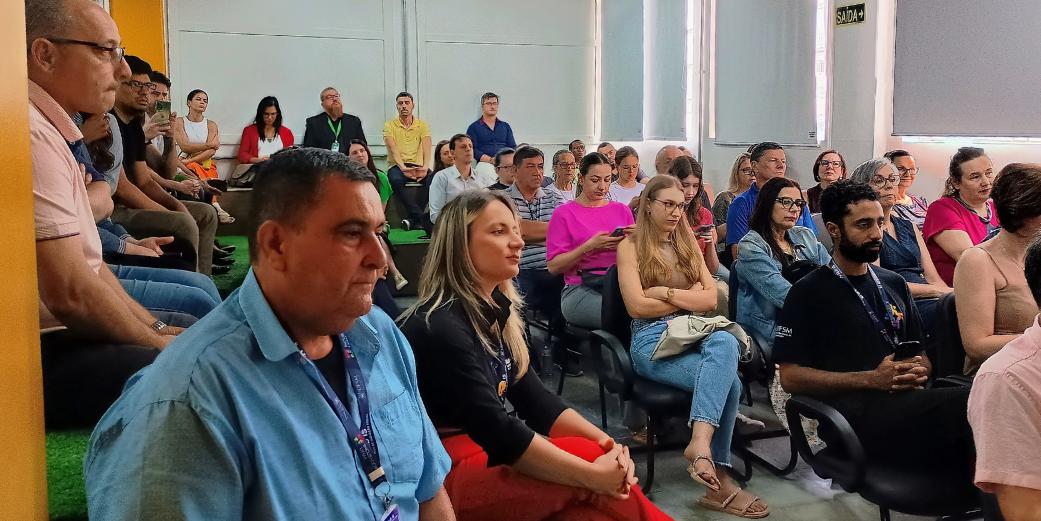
[
  {"x": 599, "y": 338},
  {"x": 954, "y": 380},
  {"x": 848, "y": 474}
]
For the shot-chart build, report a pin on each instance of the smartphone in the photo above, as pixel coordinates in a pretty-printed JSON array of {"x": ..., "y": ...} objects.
[
  {"x": 412, "y": 165},
  {"x": 907, "y": 349},
  {"x": 705, "y": 229},
  {"x": 162, "y": 112},
  {"x": 618, "y": 232}
]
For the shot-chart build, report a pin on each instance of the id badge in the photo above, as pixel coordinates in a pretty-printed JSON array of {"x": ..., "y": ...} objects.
[
  {"x": 335, "y": 147},
  {"x": 392, "y": 514}
]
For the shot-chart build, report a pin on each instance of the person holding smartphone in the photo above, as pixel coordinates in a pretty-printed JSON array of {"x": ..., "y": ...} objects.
[{"x": 689, "y": 172}]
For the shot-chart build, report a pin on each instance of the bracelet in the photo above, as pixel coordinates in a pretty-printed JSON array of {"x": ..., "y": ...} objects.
[{"x": 158, "y": 326}]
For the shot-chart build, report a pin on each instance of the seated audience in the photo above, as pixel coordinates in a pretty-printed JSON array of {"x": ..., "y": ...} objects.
[
  {"x": 608, "y": 150},
  {"x": 910, "y": 207},
  {"x": 626, "y": 189},
  {"x": 96, "y": 335},
  {"x": 662, "y": 276},
  {"x": 578, "y": 148},
  {"x": 199, "y": 139},
  {"x": 837, "y": 336},
  {"x": 266, "y": 135},
  {"x": 408, "y": 154},
  {"x": 467, "y": 333},
  {"x": 663, "y": 159},
  {"x": 1005, "y": 418},
  {"x": 359, "y": 153},
  {"x": 504, "y": 168},
  {"x": 582, "y": 238},
  {"x": 442, "y": 156},
  {"x": 741, "y": 179},
  {"x": 161, "y": 92},
  {"x": 462, "y": 175},
  {"x": 829, "y": 167},
  {"x": 964, "y": 216},
  {"x": 145, "y": 206},
  {"x": 489, "y": 133},
  {"x": 332, "y": 129},
  {"x": 768, "y": 161},
  {"x": 565, "y": 169},
  {"x": 271, "y": 370},
  {"x": 993, "y": 298},
  {"x": 699, "y": 218}
]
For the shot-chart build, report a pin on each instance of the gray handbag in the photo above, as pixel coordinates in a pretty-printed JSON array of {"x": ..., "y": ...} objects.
[{"x": 686, "y": 331}]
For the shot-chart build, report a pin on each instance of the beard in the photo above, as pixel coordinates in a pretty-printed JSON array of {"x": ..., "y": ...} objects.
[{"x": 865, "y": 253}]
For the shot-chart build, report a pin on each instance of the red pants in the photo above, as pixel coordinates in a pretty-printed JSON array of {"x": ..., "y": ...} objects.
[{"x": 482, "y": 493}]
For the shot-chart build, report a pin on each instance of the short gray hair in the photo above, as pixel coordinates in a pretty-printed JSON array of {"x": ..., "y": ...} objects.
[
  {"x": 863, "y": 173},
  {"x": 45, "y": 18}
]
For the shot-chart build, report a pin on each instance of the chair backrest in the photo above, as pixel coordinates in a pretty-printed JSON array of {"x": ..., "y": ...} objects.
[
  {"x": 614, "y": 318},
  {"x": 734, "y": 284},
  {"x": 950, "y": 352}
]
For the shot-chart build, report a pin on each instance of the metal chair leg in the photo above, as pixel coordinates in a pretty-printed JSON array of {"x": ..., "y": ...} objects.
[
  {"x": 883, "y": 513},
  {"x": 646, "y": 484},
  {"x": 603, "y": 406},
  {"x": 560, "y": 380}
]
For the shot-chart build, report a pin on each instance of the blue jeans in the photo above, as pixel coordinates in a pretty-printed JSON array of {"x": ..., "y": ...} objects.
[
  {"x": 708, "y": 370},
  {"x": 159, "y": 289}
]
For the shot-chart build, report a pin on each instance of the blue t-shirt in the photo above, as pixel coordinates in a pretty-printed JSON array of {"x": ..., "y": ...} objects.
[
  {"x": 225, "y": 424},
  {"x": 740, "y": 212}
]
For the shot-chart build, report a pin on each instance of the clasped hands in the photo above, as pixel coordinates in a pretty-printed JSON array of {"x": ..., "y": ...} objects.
[{"x": 615, "y": 471}]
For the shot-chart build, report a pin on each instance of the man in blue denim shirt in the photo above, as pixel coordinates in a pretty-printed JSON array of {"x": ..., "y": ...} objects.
[
  {"x": 489, "y": 133},
  {"x": 768, "y": 161},
  {"x": 228, "y": 423}
]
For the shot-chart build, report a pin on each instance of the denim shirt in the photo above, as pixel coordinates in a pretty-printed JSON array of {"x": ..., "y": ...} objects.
[
  {"x": 762, "y": 287},
  {"x": 225, "y": 424}
]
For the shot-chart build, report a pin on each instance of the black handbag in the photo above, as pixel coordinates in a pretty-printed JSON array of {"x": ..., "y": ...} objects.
[
  {"x": 594, "y": 278},
  {"x": 798, "y": 269}
]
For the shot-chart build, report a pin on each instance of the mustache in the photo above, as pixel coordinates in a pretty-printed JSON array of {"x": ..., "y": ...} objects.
[{"x": 872, "y": 244}]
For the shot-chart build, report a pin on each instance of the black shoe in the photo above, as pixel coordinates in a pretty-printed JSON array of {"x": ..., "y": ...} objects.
[
  {"x": 220, "y": 254},
  {"x": 223, "y": 261},
  {"x": 219, "y": 270},
  {"x": 227, "y": 249}
]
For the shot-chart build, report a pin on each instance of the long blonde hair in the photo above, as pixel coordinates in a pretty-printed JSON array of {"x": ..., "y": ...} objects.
[
  {"x": 449, "y": 275},
  {"x": 653, "y": 268},
  {"x": 734, "y": 183}
]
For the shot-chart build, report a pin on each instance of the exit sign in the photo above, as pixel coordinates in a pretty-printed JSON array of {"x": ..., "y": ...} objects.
[{"x": 850, "y": 14}]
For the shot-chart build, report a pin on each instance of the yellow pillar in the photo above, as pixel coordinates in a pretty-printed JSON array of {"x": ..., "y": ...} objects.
[
  {"x": 142, "y": 25},
  {"x": 23, "y": 476}
]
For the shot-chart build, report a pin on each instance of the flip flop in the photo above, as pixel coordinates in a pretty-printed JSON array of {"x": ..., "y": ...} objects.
[
  {"x": 727, "y": 506},
  {"x": 696, "y": 476}
]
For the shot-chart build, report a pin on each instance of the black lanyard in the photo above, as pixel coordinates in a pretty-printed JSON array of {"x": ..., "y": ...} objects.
[
  {"x": 500, "y": 365},
  {"x": 361, "y": 438},
  {"x": 889, "y": 334}
]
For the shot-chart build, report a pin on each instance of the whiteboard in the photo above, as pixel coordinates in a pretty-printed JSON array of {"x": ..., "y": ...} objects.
[{"x": 245, "y": 50}]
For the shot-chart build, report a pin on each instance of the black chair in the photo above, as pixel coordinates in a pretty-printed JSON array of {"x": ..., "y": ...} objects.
[
  {"x": 609, "y": 347},
  {"x": 912, "y": 489},
  {"x": 758, "y": 369},
  {"x": 950, "y": 351}
]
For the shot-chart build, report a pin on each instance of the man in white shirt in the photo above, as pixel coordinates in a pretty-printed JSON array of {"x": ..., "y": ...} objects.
[{"x": 462, "y": 175}]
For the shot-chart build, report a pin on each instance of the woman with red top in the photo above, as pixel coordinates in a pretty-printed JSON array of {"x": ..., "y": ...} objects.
[
  {"x": 964, "y": 216},
  {"x": 467, "y": 333},
  {"x": 266, "y": 135},
  {"x": 689, "y": 172}
]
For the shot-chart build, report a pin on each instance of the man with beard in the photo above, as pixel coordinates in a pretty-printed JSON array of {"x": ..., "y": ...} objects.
[
  {"x": 837, "y": 337},
  {"x": 332, "y": 129}
]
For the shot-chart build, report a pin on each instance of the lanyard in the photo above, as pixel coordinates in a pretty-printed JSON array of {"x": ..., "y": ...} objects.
[
  {"x": 501, "y": 367},
  {"x": 888, "y": 334},
  {"x": 361, "y": 438},
  {"x": 336, "y": 130}
]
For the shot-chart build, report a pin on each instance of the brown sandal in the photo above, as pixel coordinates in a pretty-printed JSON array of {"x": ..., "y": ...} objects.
[
  {"x": 727, "y": 506},
  {"x": 696, "y": 476}
]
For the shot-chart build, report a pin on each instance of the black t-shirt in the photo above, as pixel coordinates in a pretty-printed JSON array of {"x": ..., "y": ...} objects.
[
  {"x": 823, "y": 324},
  {"x": 332, "y": 368},
  {"x": 458, "y": 380},
  {"x": 133, "y": 142},
  {"x": 498, "y": 186}
]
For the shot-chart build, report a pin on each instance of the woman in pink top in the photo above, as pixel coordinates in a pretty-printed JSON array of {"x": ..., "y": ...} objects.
[
  {"x": 964, "y": 216},
  {"x": 581, "y": 239}
]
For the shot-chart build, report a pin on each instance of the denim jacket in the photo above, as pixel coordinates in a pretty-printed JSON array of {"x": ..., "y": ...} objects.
[{"x": 762, "y": 287}]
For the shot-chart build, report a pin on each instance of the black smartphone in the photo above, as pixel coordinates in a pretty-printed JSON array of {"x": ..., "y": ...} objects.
[
  {"x": 907, "y": 349},
  {"x": 618, "y": 232}
]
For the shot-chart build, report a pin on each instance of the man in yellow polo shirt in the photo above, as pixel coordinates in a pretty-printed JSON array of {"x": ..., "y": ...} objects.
[{"x": 409, "y": 154}]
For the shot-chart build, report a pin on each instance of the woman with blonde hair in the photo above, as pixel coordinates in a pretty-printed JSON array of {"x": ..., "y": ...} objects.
[
  {"x": 663, "y": 275},
  {"x": 741, "y": 178},
  {"x": 471, "y": 356}
]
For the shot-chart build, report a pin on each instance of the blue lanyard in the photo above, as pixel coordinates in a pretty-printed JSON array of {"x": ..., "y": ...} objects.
[
  {"x": 888, "y": 334},
  {"x": 361, "y": 438}
]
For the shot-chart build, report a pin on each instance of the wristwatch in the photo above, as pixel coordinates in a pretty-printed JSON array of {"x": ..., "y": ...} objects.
[
  {"x": 158, "y": 326},
  {"x": 669, "y": 294}
]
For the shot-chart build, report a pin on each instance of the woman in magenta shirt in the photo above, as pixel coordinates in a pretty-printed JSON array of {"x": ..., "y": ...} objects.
[
  {"x": 964, "y": 216},
  {"x": 580, "y": 240}
]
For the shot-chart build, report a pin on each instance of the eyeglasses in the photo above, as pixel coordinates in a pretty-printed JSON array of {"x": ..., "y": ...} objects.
[
  {"x": 907, "y": 173},
  {"x": 137, "y": 85},
  {"x": 566, "y": 166},
  {"x": 671, "y": 206},
  {"x": 506, "y": 167},
  {"x": 331, "y": 97},
  {"x": 825, "y": 163},
  {"x": 879, "y": 181},
  {"x": 745, "y": 171},
  {"x": 116, "y": 54},
  {"x": 490, "y": 102},
  {"x": 789, "y": 204},
  {"x": 632, "y": 168}
]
